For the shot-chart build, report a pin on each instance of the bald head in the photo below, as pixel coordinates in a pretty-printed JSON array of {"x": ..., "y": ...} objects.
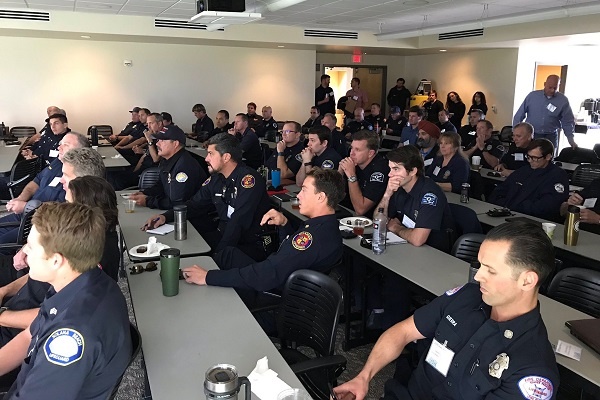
[{"x": 551, "y": 85}]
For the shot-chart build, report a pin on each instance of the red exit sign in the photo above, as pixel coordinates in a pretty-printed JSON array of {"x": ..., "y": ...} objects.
[{"x": 357, "y": 58}]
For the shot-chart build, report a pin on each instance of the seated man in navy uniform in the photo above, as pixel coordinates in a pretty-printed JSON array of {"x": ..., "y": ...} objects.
[
  {"x": 317, "y": 154},
  {"x": 222, "y": 123},
  {"x": 51, "y": 110},
  {"x": 367, "y": 174},
  {"x": 180, "y": 174},
  {"x": 287, "y": 157},
  {"x": 411, "y": 131},
  {"x": 316, "y": 244},
  {"x": 251, "y": 150},
  {"x": 130, "y": 127},
  {"x": 47, "y": 147},
  {"x": 444, "y": 122},
  {"x": 357, "y": 124},
  {"x": 485, "y": 146},
  {"x": 239, "y": 195},
  {"x": 469, "y": 131},
  {"x": 136, "y": 136},
  {"x": 488, "y": 339},
  {"x": 536, "y": 189},
  {"x": 314, "y": 120},
  {"x": 79, "y": 344},
  {"x": 376, "y": 119},
  {"x": 589, "y": 216},
  {"x": 268, "y": 123},
  {"x": 393, "y": 127},
  {"x": 337, "y": 141},
  {"x": 253, "y": 118},
  {"x": 204, "y": 125},
  {"x": 515, "y": 158}
]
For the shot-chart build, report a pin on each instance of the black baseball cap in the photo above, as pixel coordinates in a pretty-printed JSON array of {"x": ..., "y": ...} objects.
[
  {"x": 166, "y": 116},
  {"x": 395, "y": 110},
  {"x": 171, "y": 132},
  {"x": 135, "y": 110}
]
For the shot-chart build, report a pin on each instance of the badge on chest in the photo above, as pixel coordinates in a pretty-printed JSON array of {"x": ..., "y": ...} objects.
[{"x": 439, "y": 357}]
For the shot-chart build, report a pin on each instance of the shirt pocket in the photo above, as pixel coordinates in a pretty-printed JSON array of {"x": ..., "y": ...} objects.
[
  {"x": 446, "y": 334},
  {"x": 479, "y": 383}
]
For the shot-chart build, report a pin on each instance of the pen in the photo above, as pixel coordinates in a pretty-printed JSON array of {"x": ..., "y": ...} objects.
[{"x": 151, "y": 223}]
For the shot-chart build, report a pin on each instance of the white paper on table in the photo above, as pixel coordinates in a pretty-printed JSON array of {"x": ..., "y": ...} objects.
[
  {"x": 162, "y": 230},
  {"x": 264, "y": 381},
  {"x": 392, "y": 238},
  {"x": 568, "y": 350}
]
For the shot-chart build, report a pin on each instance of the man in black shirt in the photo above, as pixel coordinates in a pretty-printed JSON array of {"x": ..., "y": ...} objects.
[
  {"x": 314, "y": 120},
  {"x": 399, "y": 96},
  {"x": 515, "y": 158},
  {"x": 324, "y": 98},
  {"x": 222, "y": 123},
  {"x": 252, "y": 152},
  {"x": 287, "y": 157},
  {"x": 444, "y": 122},
  {"x": 130, "y": 127},
  {"x": 204, "y": 125},
  {"x": 432, "y": 107},
  {"x": 268, "y": 123},
  {"x": 467, "y": 132},
  {"x": 376, "y": 120},
  {"x": 396, "y": 122},
  {"x": 336, "y": 140},
  {"x": 359, "y": 123},
  {"x": 317, "y": 154},
  {"x": 253, "y": 118},
  {"x": 489, "y": 149}
]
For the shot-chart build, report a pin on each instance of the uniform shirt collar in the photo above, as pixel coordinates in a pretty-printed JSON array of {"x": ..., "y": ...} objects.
[
  {"x": 60, "y": 300},
  {"x": 168, "y": 164},
  {"x": 520, "y": 325},
  {"x": 416, "y": 189}
]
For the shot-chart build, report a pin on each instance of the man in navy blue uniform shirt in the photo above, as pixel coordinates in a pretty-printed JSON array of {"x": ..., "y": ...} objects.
[
  {"x": 324, "y": 97},
  {"x": 488, "y": 340},
  {"x": 316, "y": 244},
  {"x": 267, "y": 124},
  {"x": 204, "y": 124},
  {"x": 252, "y": 151},
  {"x": 367, "y": 173},
  {"x": 239, "y": 195},
  {"x": 411, "y": 131},
  {"x": 337, "y": 141},
  {"x": 180, "y": 174},
  {"x": 589, "y": 215},
  {"x": 515, "y": 158},
  {"x": 536, "y": 189},
  {"x": 287, "y": 157},
  {"x": 485, "y": 146},
  {"x": 47, "y": 147},
  {"x": 317, "y": 154},
  {"x": 314, "y": 120},
  {"x": 79, "y": 344}
]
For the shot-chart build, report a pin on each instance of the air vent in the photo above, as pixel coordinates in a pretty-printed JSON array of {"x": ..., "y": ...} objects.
[
  {"x": 461, "y": 34},
  {"x": 25, "y": 15},
  {"x": 178, "y": 24},
  {"x": 330, "y": 34}
]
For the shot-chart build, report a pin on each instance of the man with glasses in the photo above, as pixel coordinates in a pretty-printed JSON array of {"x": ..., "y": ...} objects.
[
  {"x": 536, "y": 189},
  {"x": 288, "y": 158}
]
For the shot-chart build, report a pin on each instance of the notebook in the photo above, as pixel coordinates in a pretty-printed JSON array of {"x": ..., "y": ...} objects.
[{"x": 586, "y": 330}]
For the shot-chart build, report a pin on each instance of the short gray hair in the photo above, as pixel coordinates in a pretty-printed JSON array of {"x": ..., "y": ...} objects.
[
  {"x": 85, "y": 162},
  {"x": 82, "y": 140}
]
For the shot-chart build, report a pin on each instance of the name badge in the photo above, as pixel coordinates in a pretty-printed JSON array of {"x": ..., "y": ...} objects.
[
  {"x": 590, "y": 203},
  {"x": 54, "y": 181},
  {"x": 436, "y": 171},
  {"x": 406, "y": 143},
  {"x": 355, "y": 98},
  {"x": 439, "y": 357},
  {"x": 407, "y": 222},
  {"x": 230, "y": 210},
  {"x": 53, "y": 153},
  {"x": 472, "y": 133},
  {"x": 551, "y": 107},
  {"x": 518, "y": 156},
  {"x": 428, "y": 162}
]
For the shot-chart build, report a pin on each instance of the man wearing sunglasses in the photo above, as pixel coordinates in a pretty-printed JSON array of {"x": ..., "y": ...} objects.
[
  {"x": 536, "y": 189},
  {"x": 287, "y": 157}
]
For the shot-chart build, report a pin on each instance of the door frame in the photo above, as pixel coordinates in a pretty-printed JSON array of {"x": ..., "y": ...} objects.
[{"x": 383, "y": 100}]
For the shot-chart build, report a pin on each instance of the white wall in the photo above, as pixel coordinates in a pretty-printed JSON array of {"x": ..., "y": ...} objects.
[
  {"x": 489, "y": 71},
  {"x": 88, "y": 80}
]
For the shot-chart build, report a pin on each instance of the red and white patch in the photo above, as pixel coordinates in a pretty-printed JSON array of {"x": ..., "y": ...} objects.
[
  {"x": 248, "y": 181},
  {"x": 536, "y": 388},
  {"x": 452, "y": 291}
]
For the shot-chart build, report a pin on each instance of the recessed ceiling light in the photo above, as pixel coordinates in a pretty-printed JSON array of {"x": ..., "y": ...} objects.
[
  {"x": 281, "y": 47},
  {"x": 85, "y": 37},
  {"x": 415, "y": 2},
  {"x": 443, "y": 50},
  {"x": 365, "y": 53}
]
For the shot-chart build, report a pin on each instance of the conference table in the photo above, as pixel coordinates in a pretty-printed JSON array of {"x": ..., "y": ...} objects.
[
  {"x": 436, "y": 272},
  {"x": 130, "y": 224},
  {"x": 185, "y": 335},
  {"x": 111, "y": 157},
  {"x": 8, "y": 156},
  {"x": 487, "y": 173}
]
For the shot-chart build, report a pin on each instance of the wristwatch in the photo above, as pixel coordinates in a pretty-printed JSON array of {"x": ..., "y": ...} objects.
[
  {"x": 2, "y": 309},
  {"x": 352, "y": 178},
  {"x": 307, "y": 164},
  {"x": 280, "y": 154}
]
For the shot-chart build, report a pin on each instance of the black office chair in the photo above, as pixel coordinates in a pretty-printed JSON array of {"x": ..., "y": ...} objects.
[
  {"x": 506, "y": 134},
  {"x": 148, "y": 178},
  {"x": 103, "y": 130},
  {"x": 577, "y": 156},
  {"x": 24, "y": 226},
  {"x": 22, "y": 131},
  {"x": 271, "y": 135},
  {"x": 266, "y": 152},
  {"x": 308, "y": 316},
  {"x": 596, "y": 151},
  {"x": 578, "y": 288},
  {"x": 585, "y": 174},
  {"x": 136, "y": 346},
  {"x": 467, "y": 246},
  {"x": 466, "y": 219},
  {"x": 21, "y": 174}
]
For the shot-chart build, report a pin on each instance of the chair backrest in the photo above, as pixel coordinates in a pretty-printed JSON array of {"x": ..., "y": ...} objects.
[
  {"x": 149, "y": 177},
  {"x": 578, "y": 288},
  {"x": 22, "y": 169},
  {"x": 506, "y": 134},
  {"x": 136, "y": 346},
  {"x": 22, "y": 131},
  {"x": 467, "y": 246},
  {"x": 577, "y": 156},
  {"x": 309, "y": 311},
  {"x": 596, "y": 151},
  {"x": 266, "y": 152},
  {"x": 466, "y": 219},
  {"x": 25, "y": 226},
  {"x": 585, "y": 174},
  {"x": 103, "y": 130}
]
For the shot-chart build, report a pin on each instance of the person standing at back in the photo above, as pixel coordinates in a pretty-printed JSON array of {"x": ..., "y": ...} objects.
[
  {"x": 324, "y": 97},
  {"x": 399, "y": 96}
]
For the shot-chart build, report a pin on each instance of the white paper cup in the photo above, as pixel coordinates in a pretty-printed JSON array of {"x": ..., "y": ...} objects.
[
  {"x": 476, "y": 160},
  {"x": 549, "y": 227}
]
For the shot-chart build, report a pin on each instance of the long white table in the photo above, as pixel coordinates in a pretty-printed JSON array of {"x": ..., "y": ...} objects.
[
  {"x": 108, "y": 155},
  {"x": 485, "y": 171},
  {"x": 130, "y": 224},
  {"x": 184, "y": 335}
]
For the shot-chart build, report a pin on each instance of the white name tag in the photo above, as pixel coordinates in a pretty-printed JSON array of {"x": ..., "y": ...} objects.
[
  {"x": 406, "y": 142},
  {"x": 428, "y": 162},
  {"x": 590, "y": 203},
  {"x": 230, "y": 210},
  {"x": 436, "y": 171},
  {"x": 551, "y": 107},
  {"x": 355, "y": 98},
  {"x": 53, "y": 153},
  {"x": 439, "y": 357},
  {"x": 407, "y": 222},
  {"x": 54, "y": 181},
  {"x": 518, "y": 156},
  {"x": 472, "y": 133}
]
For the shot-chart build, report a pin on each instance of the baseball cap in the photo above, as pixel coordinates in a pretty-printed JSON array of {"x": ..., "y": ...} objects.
[
  {"x": 395, "y": 110},
  {"x": 171, "y": 132},
  {"x": 135, "y": 109}
]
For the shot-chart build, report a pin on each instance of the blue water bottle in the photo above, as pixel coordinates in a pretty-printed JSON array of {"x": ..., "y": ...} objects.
[{"x": 275, "y": 177}]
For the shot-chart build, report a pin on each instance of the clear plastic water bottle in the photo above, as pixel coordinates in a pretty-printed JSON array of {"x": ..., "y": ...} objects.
[{"x": 379, "y": 231}]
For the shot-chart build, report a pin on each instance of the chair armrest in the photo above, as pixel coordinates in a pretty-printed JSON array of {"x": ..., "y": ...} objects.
[
  {"x": 11, "y": 246},
  {"x": 13, "y": 224},
  {"x": 267, "y": 302},
  {"x": 329, "y": 362}
]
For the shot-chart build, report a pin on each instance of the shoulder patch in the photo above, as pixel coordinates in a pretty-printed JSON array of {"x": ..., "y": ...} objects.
[
  {"x": 181, "y": 177},
  {"x": 429, "y": 199},
  {"x": 206, "y": 181},
  {"x": 489, "y": 147},
  {"x": 377, "y": 177},
  {"x": 500, "y": 147},
  {"x": 559, "y": 187},
  {"x": 64, "y": 347},
  {"x": 302, "y": 240},
  {"x": 327, "y": 164},
  {"x": 248, "y": 181},
  {"x": 452, "y": 291},
  {"x": 299, "y": 157},
  {"x": 536, "y": 387}
]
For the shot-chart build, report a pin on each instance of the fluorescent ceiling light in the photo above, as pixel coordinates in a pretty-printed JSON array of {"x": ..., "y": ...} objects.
[
  {"x": 223, "y": 18},
  {"x": 281, "y": 4}
]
